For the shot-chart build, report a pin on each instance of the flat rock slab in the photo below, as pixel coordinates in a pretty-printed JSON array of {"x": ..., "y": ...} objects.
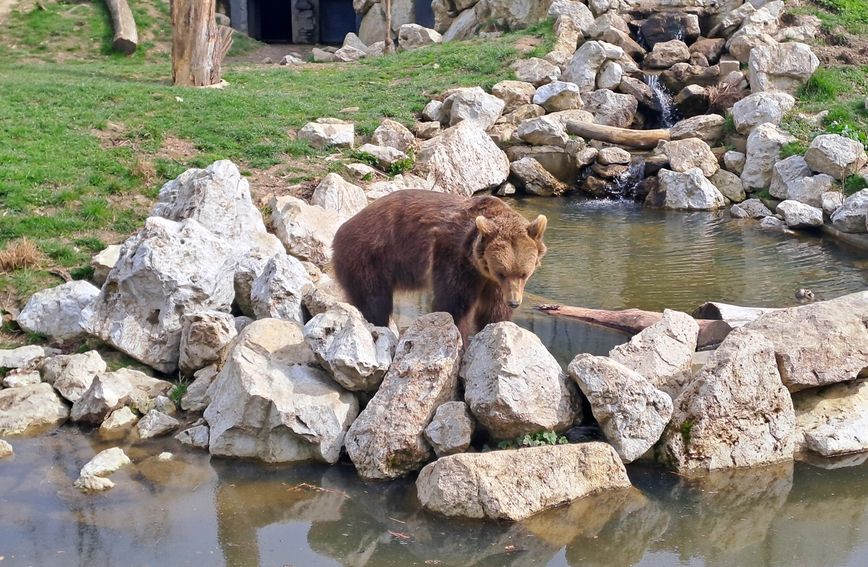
[{"x": 515, "y": 484}]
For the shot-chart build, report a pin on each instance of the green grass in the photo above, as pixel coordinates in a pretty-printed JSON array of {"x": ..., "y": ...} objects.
[
  {"x": 67, "y": 189},
  {"x": 849, "y": 14},
  {"x": 825, "y": 85}
]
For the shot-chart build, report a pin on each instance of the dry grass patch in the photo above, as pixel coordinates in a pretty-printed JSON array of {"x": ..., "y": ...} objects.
[{"x": 18, "y": 254}]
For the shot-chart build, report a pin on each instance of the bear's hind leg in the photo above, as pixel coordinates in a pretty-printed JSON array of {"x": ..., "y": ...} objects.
[{"x": 371, "y": 296}]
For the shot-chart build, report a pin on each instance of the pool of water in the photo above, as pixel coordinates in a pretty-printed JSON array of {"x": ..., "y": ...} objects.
[
  {"x": 198, "y": 511},
  {"x": 617, "y": 254}
]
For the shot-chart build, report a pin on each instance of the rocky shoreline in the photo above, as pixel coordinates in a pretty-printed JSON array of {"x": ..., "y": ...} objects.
[{"x": 277, "y": 368}]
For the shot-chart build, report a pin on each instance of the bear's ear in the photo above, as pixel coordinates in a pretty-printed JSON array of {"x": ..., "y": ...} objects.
[
  {"x": 485, "y": 226},
  {"x": 537, "y": 228}
]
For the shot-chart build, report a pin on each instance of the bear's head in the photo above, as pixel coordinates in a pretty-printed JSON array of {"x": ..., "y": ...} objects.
[{"x": 508, "y": 250}]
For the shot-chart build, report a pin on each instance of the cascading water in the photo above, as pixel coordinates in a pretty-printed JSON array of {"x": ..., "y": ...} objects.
[
  {"x": 663, "y": 99},
  {"x": 626, "y": 183}
]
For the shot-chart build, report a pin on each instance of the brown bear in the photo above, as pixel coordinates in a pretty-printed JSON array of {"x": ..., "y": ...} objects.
[{"x": 476, "y": 254}]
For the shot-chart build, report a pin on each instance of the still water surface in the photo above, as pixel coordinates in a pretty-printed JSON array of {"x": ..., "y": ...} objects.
[{"x": 198, "y": 511}]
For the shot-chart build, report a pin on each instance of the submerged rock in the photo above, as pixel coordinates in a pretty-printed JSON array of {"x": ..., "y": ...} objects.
[
  {"x": 512, "y": 485},
  {"x": 196, "y": 436},
  {"x": 105, "y": 462},
  {"x": 119, "y": 419},
  {"x": 386, "y": 441},
  {"x": 631, "y": 412},
  {"x": 269, "y": 404},
  {"x": 818, "y": 344},
  {"x": 735, "y": 413},
  {"x": 514, "y": 386}
]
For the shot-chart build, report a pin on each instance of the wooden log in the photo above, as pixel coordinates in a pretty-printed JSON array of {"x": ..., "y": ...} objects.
[
  {"x": 646, "y": 139},
  {"x": 389, "y": 43},
  {"x": 711, "y": 332},
  {"x": 735, "y": 315},
  {"x": 126, "y": 38},
  {"x": 198, "y": 43}
]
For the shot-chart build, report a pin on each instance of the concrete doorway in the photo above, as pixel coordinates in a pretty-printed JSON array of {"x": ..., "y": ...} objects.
[{"x": 270, "y": 20}]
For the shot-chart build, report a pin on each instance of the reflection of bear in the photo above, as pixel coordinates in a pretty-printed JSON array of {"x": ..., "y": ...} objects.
[{"x": 476, "y": 254}]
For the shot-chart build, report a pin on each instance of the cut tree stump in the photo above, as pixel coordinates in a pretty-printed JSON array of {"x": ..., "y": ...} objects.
[
  {"x": 198, "y": 43},
  {"x": 126, "y": 38},
  {"x": 711, "y": 332},
  {"x": 645, "y": 139}
]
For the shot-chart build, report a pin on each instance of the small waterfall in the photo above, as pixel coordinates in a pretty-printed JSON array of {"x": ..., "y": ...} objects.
[
  {"x": 626, "y": 183},
  {"x": 663, "y": 99}
]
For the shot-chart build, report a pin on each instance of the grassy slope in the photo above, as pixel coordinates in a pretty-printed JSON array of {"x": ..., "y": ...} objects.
[
  {"x": 72, "y": 193},
  {"x": 840, "y": 90}
]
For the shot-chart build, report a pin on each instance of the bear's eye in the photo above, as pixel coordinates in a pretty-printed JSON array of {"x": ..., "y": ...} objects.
[{"x": 500, "y": 275}]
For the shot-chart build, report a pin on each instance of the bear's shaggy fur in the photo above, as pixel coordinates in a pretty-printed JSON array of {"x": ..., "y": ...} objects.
[{"x": 476, "y": 254}]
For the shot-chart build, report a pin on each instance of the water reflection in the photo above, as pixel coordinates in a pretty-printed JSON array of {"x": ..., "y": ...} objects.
[{"x": 194, "y": 511}]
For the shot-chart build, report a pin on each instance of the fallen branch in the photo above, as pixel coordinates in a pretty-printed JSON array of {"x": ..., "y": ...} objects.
[
  {"x": 711, "y": 332},
  {"x": 126, "y": 38},
  {"x": 646, "y": 139}
]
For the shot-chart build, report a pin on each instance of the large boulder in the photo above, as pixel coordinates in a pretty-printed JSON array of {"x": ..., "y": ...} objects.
[
  {"x": 414, "y": 36},
  {"x": 167, "y": 269},
  {"x": 536, "y": 71},
  {"x": 514, "y": 386},
  {"x": 515, "y": 484},
  {"x": 325, "y": 132},
  {"x": 204, "y": 337},
  {"x": 356, "y": 353},
  {"x": 277, "y": 293},
  {"x": 631, "y": 412},
  {"x": 29, "y": 409},
  {"x": 786, "y": 173},
  {"x": 611, "y": 108},
  {"x": 386, "y": 441},
  {"x": 707, "y": 127},
  {"x": 473, "y": 105},
  {"x": 269, "y": 403},
  {"x": 451, "y": 429},
  {"x": 689, "y": 190},
  {"x": 663, "y": 352},
  {"x": 735, "y": 413},
  {"x": 665, "y": 54},
  {"x": 761, "y": 108},
  {"x": 832, "y": 420},
  {"x": 689, "y": 153},
  {"x": 339, "y": 196},
  {"x": 810, "y": 190},
  {"x": 729, "y": 184},
  {"x": 836, "y": 155},
  {"x": 587, "y": 62},
  {"x": 557, "y": 96},
  {"x": 306, "y": 230},
  {"x": 781, "y": 67},
  {"x": 71, "y": 375},
  {"x": 800, "y": 215},
  {"x": 112, "y": 390},
  {"x": 463, "y": 160},
  {"x": 511, "y": 14},
  {"x": 763, "y": 152},
  {"x": 818, "y": 344},
  {"x": 56, "y": 312},
  {"x": 25, "y": 356},
  {"x": 514, "y": 93},
  {"x": 535, "y": 179},
  {"x": 852, "y": 215}
]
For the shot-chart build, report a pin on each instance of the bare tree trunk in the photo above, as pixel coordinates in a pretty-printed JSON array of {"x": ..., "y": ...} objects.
[
  {"x": 198, "y": 43},
  {"x": 711, "y": 333},
  {"x": 390, "y": 45},
  {"x": 126, "y": 37},
  {"x": 620, "y": 136}
]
